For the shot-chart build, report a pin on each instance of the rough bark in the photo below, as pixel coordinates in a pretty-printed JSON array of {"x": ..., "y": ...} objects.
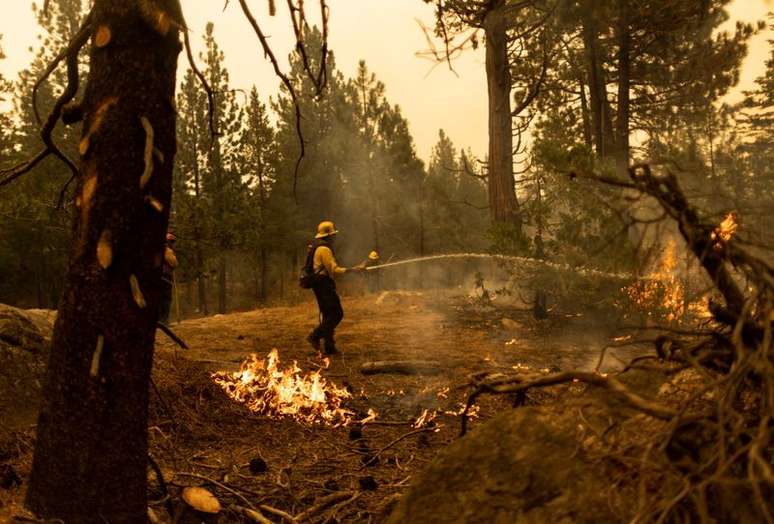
[
  {"x": 601, "y": 120},
  {"x": 264, "y": 274},
  {"x": 222, "y": 283},
  {"x": 91, "y": 449},
  {"x": 199, "y": 250},
  {"x": 624, "y": 82},
  {"x": 587, "y": 135},
  {"x": 503, "y": 206}
]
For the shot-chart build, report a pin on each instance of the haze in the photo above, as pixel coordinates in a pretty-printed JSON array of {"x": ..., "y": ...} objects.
[{"x": 385, "y": 33}]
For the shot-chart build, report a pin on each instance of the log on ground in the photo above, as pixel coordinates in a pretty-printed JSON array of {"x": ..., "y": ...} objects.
[{"x": 402, "y": 367}]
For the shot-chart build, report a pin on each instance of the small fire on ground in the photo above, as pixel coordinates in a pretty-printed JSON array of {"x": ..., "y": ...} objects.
[{"x": 267, "y": 389}]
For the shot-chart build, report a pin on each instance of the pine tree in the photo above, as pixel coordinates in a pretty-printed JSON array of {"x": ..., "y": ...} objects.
[
  {"x": 93, "y": 421},
  {"x": 259, "y": 162},
  {"x": 34, "y": 243}
]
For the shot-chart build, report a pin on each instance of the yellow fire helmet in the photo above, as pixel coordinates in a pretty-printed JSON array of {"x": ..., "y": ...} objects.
[
  {"x": 373, "y": 255},
  {"x": 326, "y": 229}
]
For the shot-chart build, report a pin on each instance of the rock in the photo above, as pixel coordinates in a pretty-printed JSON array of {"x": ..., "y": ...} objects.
[
  {"x": 23, "y": 354},
  {"x": 16, "y": 329},
  {"x": 522, "y": 466}
]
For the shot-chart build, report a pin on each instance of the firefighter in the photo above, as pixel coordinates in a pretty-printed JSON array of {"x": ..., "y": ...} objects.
[
  {"x": 167, "y": 277},
  {"x": 372, "y": 277},
  {"x": 324, "y": 268}
]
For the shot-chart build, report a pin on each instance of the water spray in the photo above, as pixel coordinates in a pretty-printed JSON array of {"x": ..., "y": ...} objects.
[{"x": 508, "y": 258}]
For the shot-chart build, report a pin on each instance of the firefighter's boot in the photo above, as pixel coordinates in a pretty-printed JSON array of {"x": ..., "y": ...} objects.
[
  {"x": 314, "y": 341},
  {"x": 330, "y": 347}
]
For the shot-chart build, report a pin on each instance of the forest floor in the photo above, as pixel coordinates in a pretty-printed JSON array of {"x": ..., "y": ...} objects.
[{"x": 199, "y": 436}]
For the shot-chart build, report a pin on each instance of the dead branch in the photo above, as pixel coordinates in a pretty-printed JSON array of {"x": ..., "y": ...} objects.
[
  {"x": 298, "y": 19},
  {"x": 203, "y": 80},
  {"x": 322, "y": 504},
  {"x": 286, "y": 82},
  {"x": 15, "y": 172},
  {"x": 278, "y": 512},
  {"x": 402, "y": 367},
  {"x": 522, "y": 384},
  {"x": 171, "y": 334},
  {"x": 253, "y": 514},
  {"x": 396, "y": 441},
  {"x": 66, "y": 52}
]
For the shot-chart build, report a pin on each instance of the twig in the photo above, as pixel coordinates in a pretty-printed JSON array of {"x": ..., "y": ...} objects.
[
  {"x": 397, "y": 440},
  {"x": 278, "y": 512},
  {"x": 253, "y": 514},
  {"x": 160, "y": 477},
  {"x": 323, "y": 503}
]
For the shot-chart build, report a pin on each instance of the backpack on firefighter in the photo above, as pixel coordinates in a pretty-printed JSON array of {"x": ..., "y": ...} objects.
[{"x": 309, "y": 277}]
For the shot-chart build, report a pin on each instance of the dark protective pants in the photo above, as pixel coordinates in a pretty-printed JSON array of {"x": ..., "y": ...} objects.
[{"x": 330, "y": 310}]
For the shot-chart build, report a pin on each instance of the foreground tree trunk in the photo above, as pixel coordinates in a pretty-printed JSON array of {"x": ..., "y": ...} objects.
[
  {"x": 503, "y": 206},
  {"x": 91, "y": 450}
]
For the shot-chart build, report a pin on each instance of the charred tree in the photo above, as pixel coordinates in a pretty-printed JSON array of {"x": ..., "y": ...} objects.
[
  {"x": 503, "y": 206},
  {"x": 91, "y": 449}
]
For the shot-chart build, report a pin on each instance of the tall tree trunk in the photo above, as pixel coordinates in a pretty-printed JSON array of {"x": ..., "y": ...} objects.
[
  {"x": 264, "y": 274},
  {"x": 222, "y": 283},
  {"x": 601, "y": 120},
  {"x": 90, "y": 461},
  {"x": 624, "y": 82},
  {"x": 503, "y": 206},
  {"x": 201, "y": 281},
  {"x": 587, "y": 134}
]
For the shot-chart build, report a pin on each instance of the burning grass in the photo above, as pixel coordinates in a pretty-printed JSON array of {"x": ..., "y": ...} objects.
[{"x": 267, "y": 389}]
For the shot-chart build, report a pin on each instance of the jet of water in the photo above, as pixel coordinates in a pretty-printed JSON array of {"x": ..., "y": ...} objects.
[{"x": 508, "y": 258}]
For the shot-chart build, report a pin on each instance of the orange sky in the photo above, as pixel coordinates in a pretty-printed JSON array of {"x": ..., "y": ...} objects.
[{"x": 383, "y": 32}]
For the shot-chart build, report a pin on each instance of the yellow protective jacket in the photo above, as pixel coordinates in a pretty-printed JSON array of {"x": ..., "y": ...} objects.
[{"x": 325, "y": 262}]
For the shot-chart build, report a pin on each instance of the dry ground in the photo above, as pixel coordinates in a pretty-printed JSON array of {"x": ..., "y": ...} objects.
[{"x": 200, "y": 437}]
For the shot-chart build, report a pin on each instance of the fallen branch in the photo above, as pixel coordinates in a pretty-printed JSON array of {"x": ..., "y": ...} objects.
[
  {"x": 171, "y": 334},
  {"x": 521, "y": 384},
  {"x": 402, "y": 367},
  {"x": 278, "y": 512},
  {"x": 253, "y": 514},
  {"x": 324, "y": 503},
  {"x": 394, "y": 442}
]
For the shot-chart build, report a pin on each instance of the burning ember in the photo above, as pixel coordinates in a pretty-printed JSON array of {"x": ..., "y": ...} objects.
[
  {"x": 427, "y": 418},
  {"x": 268, "y": 390},
  {"x": 725, "y": 231}
]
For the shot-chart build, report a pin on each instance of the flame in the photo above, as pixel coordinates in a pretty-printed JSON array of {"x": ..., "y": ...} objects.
[
  {"x": 662, "y": 293},
  {"x": 372, "y": 414},
  {"x": 425, "y": 419},
  {"x": 725, "y": 230},
  {"x": 268, "y": 390}
]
